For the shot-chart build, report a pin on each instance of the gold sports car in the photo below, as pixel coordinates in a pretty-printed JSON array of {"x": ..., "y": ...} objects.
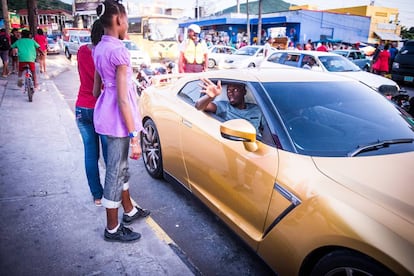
[{"x": 325, "y": 184}]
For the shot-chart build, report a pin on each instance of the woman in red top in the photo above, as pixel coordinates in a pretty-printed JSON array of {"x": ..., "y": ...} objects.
[
  {"x": 41, "y": 39},
  {"x": 85, "y": 105},
  {"x": 381, "y": 65}
]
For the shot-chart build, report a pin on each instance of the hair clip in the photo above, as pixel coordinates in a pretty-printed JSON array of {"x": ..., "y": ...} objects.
[{"x": 102, "y": 11}]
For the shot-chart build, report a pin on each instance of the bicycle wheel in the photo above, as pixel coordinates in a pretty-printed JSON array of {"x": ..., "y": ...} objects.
[
  {"x": 29, "y": 89},
  {"x": 30, "y": 94}
]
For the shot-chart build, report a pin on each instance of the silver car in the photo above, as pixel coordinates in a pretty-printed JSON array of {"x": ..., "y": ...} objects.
[
  {"x": 216, "y": 53},
  {"x": 332, "y": 63},
  {"x": 245, "y": 57}
]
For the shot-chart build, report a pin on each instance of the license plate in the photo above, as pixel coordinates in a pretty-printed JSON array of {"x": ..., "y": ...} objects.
[{"x": 410, "y": 79}]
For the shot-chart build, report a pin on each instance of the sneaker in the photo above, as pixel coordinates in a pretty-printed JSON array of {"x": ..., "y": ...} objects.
[
  {"x": 19, "y": 82},
  {"x": 141, "y": 213},
  {"x": 123, "y": 234}
]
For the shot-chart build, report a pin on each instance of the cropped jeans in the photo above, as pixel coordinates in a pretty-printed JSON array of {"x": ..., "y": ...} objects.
[{"x": 84, "y": 120}]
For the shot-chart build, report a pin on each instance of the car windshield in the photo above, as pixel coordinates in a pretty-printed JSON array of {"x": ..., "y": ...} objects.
[
  {"x": 50, "y": 41},
  {"x": 131, "y": 45},
  {"x": 337, "y": 118},
  {"x": 85, "y": 39},
  {"x": 246, "y": 51},
  {"x": 338, "y": 64}
]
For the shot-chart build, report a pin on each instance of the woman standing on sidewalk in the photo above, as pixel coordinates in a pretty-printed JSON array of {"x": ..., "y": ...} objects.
[
  {"x": 85, "y": 105},
  {"x": 116, "y": 115},
  {"x": 41, "y": 39}
]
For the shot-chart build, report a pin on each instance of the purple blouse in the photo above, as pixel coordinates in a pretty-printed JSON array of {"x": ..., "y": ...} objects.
[{"x": 108, "y": 120}]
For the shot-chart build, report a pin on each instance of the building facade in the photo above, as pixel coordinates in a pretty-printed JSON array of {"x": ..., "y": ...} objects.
[
  {"x": 50, "y": 21},
  {"x": 384, "y": 26}
]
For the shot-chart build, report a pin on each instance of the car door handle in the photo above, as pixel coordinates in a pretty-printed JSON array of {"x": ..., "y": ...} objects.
[{"x": 186, "y": 123}]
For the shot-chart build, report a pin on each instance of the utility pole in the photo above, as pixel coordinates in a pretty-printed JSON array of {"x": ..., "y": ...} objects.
[
  {"x": 6, "y": 15},
  {"x": 248, "y": 22},
  {"x": 259, "y": 24},
  {"x": 32, "y": 15}
]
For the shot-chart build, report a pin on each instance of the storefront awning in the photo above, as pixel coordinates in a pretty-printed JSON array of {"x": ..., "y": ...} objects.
[{"x": 388, "y": 36}]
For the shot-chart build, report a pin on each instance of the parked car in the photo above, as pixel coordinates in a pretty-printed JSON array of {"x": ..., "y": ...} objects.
[
  {"x": 333, "y": 63},
  {"x": 74, "y": 41},
  {"x": 403, "y": 65},
  {"x": 218, "y": 52},
  {"x": 53, "y": 46},
  {"x": 245, "y": 57},
  {"x": 138, "y": 56},
  {"x": 323, "y": 188},
  {"x": 356, "y": 56}
]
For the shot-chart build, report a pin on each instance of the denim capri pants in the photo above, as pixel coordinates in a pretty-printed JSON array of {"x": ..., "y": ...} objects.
[{"x": 117, "y": 174}]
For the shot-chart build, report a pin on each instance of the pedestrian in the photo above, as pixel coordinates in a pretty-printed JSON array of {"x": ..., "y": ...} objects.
[
  {"x": 193, "y": 56},
  {"x": 381, "y": 65},
  {"x": 41, "y": 39},
  {"x": 4, "y": 51},
  {"x": 309, "y": 45},
  {"x": 268, "y": 47},
  {"x": 15, "y": 35},
  {"x": 27, "y": 50},
  {"x": 393, "y": 52},
  {"x": 322, "y": 47},
  {"x": 116, "y": 116},
  {"x": 84, "y": 108}
]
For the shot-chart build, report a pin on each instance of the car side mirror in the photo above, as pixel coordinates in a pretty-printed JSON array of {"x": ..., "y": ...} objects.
[{"x": 240, "y": 130}]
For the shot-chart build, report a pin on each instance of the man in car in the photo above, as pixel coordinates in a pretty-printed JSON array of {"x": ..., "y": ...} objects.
[{"x": 234, "y": 108}]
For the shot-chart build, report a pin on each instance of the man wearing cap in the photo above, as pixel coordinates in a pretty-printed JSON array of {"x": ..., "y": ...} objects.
[{"x": 193, "y": 52}]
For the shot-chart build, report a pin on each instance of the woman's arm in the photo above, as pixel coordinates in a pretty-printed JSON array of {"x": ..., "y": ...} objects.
[
  {"x": 125, "y": 108},
  {"x": 97, "y": 85}
]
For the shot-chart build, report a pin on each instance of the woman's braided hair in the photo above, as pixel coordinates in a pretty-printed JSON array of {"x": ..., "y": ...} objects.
[{"x": 107, "y": 9}]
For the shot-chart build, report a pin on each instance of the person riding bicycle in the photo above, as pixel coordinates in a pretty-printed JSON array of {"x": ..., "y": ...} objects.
[{"x": 27, "y": 50}]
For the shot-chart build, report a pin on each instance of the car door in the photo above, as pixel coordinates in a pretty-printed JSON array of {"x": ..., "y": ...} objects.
[{"x": 235, "y": 183}]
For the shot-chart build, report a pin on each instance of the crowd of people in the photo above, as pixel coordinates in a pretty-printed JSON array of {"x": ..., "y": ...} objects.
[{"x": 22, "y": 49}]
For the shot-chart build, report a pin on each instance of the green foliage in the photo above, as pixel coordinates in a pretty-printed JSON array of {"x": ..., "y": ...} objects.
[
  {"x": 16, "y": 5},
  {"x": 407, "y": 33}
]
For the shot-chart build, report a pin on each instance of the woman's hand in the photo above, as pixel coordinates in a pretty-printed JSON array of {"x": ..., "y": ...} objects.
[{"x": 136, "y": 150}]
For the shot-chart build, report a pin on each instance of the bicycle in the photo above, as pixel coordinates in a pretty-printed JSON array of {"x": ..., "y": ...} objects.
[{"x": 28, "y": 82}]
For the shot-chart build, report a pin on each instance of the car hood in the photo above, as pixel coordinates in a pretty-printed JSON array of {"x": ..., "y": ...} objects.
[
  {"x": 386, "y": 180},
  {"x": 236, "y": 58},
  {"x": 137, "y": 53},
  {"x": 369, "y": 79}
]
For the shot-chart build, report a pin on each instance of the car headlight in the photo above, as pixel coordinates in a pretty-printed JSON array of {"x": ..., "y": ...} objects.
[{"x": 395, "y": 65}]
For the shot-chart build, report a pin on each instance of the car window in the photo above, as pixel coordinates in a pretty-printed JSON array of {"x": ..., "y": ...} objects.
[
  {"x": 335, "y": 118},
  {"x": 84, "y": 39},
  {"x": 190, "y": 93},
  {"x": 338, "y": 64},
  {"x": 275, "y": 57}
]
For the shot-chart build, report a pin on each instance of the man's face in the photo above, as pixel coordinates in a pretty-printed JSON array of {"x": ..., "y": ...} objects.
[
  {"x": 192, "y": 35},
  {"x": 236, "y": 93}
]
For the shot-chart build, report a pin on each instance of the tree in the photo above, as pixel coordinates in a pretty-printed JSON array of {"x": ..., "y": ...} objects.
[
  {"x": 32, "y": 15},
  {"x": 6, "y": 15},
  {"x": 407, "y": 33}
]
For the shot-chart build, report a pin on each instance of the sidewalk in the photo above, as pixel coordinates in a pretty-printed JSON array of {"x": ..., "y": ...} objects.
[{"x": 48, "y": 223}]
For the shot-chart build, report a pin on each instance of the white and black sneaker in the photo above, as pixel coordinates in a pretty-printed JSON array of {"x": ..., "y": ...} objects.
[{"x": 123, "y": 234}]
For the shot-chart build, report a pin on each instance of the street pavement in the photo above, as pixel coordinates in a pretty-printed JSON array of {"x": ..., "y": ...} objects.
[{"x": 48, "y": 222}]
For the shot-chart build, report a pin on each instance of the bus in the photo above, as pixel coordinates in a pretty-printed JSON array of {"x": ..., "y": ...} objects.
[{"x": 156, "y": 35}]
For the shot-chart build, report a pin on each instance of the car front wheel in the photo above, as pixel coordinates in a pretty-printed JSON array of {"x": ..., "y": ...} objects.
[
  {"x": 211, "y": 63},
  {"x": 344, "y": 262},
  {"x": 151, "y": 150}
]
